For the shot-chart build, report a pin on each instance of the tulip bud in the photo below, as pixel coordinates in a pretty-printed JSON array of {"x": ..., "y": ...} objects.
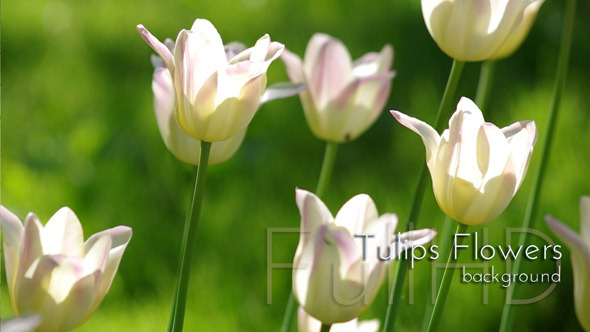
[
  {"x": 306, "y": 323},
  {"x": 216, "y": 98},
  {"x": 332, "y": 280},
  {"x": 51, "y": 272},
  {"x": 476, "y": 167},
  {"x": 477, "y": 30},
  {"x": 579, "y": 246},
  {"x": 343, "y": 98}
]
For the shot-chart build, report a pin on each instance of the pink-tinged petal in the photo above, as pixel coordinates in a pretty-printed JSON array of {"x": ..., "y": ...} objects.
[
  {"x": 223, "y": 150},
  {"x": 281, "y": 90},
  {"x": 260, "y": 49},
  {"x": 157, "y": 62},
  {"x": 212, "y": 43},
  {"x": 12, "y": 230},
  {"x": 96, "y": 256},
  {"x": 429, "y": 136},
  {"x": 464, "y": 128},
  {"x": 374, "y": 63},
  {"x": 413, "y": 238},
  {"x": 313, "y": 212},
  {"x": 585, "y": 219},
  {"x": 232, "y": 49},
  {"x": 32, "y": 295},
  {"x": 30, "y": 251},
  {"x": 313, "y": 49},
  {"x": 330, "y": 73},
  {"x": 522, "y": 137},
  {"x": 234, "y": 77},
  {"x": 580, "y": 255},
  {"x": 157, "y": 46},
  {"x": 274, "y": 52},
  {"x": 78, "y": 303},
  {"x": 20, "y": 324},
  {"x": 355, "y": 213},
  {"x": 294, "y": 67},
  {"x": 63, "y": 234},
  {"x": 120, "y": 237}
]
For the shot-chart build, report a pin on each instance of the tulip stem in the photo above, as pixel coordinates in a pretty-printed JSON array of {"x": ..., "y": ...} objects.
[
  {"x": 402, "y": 266},
  {"x": 327, "y": 166},
  {"x": 530, "y": 216},
  {"x": 326, "y": 327},
  {"x": 188, "y": 243},
  {"x": 486, "y": 77},
  {"x": 443, "y": 290}
]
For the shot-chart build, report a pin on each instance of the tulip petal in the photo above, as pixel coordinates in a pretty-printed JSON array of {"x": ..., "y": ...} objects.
[
  {"x": 120, "y": 237},
  {"x": 209, "y": 43},
  {"x": 12, "y": 230},
  {"x": 63, "y": 234},
  {"x": 374, "y": 63},
  {"x": 580, "y": 255},
  {"x": 313, "y": 211},
  {"x": 429, "y": 136},
  {"x": 20, "y": 324},
  {"x": 517, "y": 36},
  {"x": 232, "y": 49},
  {"x": 281, "y": 90},
  {"x": 31, "y": 249},
  {"x": 330, "y": 72},
  {"x": 355, "y": 214},
  {"x": 522, "y": 137},
  {"x": 157, "y": 46},
  {"x": 294, "y": 66}
]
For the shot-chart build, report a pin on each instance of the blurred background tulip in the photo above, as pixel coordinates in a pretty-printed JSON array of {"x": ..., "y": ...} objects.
[
  {"x": 579, "y": 245},
  {"x": 477, "y": 30},
  {"x": 476, "y": 167},
  {"x": 52, "y": 272},
  {"x": 343, "y": 98}
]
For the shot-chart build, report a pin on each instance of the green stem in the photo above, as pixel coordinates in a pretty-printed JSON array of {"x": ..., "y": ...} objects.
[
  {"x": 189, "y": 241},
  {"x": 325, "y": 174},
  {"x": 402, "y": 266},
  {"x": 532, "y": 207},
  {"x": 486, "y": 77},
  {"x": 182, "y": 246},
  {"x": 327, "y": 166},
  {"x": 443, "y": 290},
  {"x": 326, "y": 327}
]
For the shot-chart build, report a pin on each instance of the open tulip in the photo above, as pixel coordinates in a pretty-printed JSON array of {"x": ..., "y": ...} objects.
[
  {"x": 183, "y": 146},
  {"x": 52, "y": 272},
  {"x": 332, "y": 280},
  {"x": 476, "y": 167},
  {"x": 216, "y": 98},
  {"x": 343, "y": 98},
  {"x": 579, "y": 246},
  {"x": 306, "y": 323},
  {"x": 477, "y": 30}
]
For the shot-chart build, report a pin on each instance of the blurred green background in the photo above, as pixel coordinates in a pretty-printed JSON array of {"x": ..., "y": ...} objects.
[{"x": 78, "y": 129}]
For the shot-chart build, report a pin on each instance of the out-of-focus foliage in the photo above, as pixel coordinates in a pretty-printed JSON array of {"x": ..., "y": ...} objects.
[{"x": 78, "y": 129}]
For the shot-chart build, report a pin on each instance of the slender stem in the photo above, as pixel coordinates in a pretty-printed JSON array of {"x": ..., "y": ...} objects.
[
  {"x": 486, "y": 77},
  {"x": 325, "y": 174},
  {"x": 402, "y": 266},
  {"x": 182, "y": 247},
  {"x": 443, "y": 291},
  {"x": 532, "y": 208},
  {"x": 326, "y": 327},
  {"x": 189, "y": 241},
  {"x": 327, "y": 166}
]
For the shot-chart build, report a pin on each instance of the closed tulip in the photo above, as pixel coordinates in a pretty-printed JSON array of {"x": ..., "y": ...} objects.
[
  {"x": 343, "y": 98},
  {"x": 52, "y": 272},
  {"x": 216, "y": 98},
  {"x": 306, "y": 323},
  {"x": 331, "y": 279},
  {"x": 579, "y": 245},
  {"x": 476, "y": 167},
  {"x": 477, "y": 30}
]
